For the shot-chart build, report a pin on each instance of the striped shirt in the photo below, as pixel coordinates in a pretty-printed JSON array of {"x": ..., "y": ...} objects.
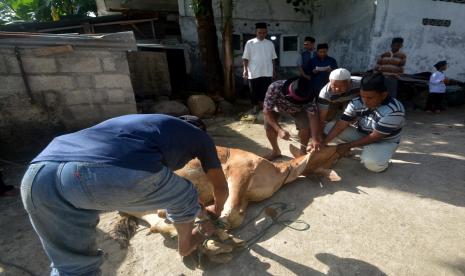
[
  {"x": 388, "y": 118},
  {"x": 390, "y": 63},
  {"x": 327, "y": 96}
]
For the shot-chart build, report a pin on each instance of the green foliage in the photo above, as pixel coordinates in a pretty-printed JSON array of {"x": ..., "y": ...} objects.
[
  {"x": 13, "y": 11},
  {"x": 200, "y": 7},
  {"x": 307, "y": 7}
]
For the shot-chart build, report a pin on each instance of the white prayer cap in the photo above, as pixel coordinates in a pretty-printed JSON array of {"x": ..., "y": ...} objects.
[{"x": 340, "y": 74}]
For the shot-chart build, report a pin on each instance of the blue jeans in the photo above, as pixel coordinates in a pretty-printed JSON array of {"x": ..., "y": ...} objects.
[
  {"x": 375, "y": 156},
  {"x": 63, "y": 201}
]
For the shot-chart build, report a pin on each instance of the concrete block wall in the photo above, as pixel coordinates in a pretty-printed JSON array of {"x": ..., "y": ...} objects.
[{"x": 69, "y": 91}]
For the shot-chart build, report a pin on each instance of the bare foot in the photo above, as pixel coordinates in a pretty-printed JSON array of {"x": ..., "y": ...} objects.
[{"x": 272, "y": 156}]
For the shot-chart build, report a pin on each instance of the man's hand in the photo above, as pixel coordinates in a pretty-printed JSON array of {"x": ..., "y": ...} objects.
[
  {"x": 315, "y": 71},
  {"x": 213, "y": 210},
  {"x": 343, "y": 149},
  {"x": 283, "y": 134},
  {"x": 245, "y": 75},
  {"x": 315, "y": 145}
]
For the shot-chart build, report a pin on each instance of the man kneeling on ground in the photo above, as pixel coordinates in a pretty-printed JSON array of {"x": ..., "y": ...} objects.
[
  {"x": 292, "y": 98},
  {"x": 378, "y": 119}
]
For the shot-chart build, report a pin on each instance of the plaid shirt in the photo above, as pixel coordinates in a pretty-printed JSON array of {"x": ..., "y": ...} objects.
[{"x": 275, "y": 100}]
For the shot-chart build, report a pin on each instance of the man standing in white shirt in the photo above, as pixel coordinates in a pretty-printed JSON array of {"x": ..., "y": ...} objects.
[{"x": 259, "y": 60}]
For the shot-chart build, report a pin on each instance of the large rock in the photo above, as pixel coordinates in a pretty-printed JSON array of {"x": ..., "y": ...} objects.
[
  {"x": 173, "y": 108},
  {"x": 201, "y": 106},
  {"x": 226, "y": 108}
]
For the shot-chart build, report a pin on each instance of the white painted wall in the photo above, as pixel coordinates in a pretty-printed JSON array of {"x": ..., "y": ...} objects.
[
  {"x": 280, "y": 16},
  {"x": 357, "y": 30},
  {"x": 346, "y": 26},
  {"x": 423, "y": 45}
]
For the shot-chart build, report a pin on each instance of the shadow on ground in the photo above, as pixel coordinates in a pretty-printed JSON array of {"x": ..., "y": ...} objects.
[{"x": 336, "y": 265}]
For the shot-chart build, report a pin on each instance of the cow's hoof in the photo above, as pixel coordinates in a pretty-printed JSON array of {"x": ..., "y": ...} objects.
[
  {"x": 222, "y": 235},
  {"x": 221, "y": 258},
  {"x": 212, "y": 247},
  {"x": 236, "y": 243}
]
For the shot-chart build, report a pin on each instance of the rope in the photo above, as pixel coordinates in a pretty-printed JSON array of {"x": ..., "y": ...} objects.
[{"x": 284, "y": 208}]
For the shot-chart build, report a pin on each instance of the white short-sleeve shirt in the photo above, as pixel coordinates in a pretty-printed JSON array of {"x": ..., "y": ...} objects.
[
  {"x": 260, "y": 54},
  {"x": 436, "y": 82}
]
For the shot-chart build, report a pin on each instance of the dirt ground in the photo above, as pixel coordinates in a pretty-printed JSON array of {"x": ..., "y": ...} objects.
[{"x": 409, "y": 220}]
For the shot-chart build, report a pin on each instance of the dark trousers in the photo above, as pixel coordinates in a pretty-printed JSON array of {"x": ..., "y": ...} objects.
[
  {"x": 391, "y": 86},
  {"x": 258, "y": 88},
  {"x": 435, "y": 101}
]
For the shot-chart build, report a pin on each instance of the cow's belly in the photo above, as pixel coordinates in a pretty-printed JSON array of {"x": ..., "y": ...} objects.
[
  {"x": 197, "y": 176},
  {"x": 265, "y": 181}
]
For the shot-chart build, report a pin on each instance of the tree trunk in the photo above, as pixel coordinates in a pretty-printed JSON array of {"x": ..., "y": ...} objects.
[
  {"x": 228, "y": 58},
  {"x": 208, "y": 46}
]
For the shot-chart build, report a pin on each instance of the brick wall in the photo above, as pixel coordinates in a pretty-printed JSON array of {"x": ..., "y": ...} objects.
[{"x": 69, "y": 90}]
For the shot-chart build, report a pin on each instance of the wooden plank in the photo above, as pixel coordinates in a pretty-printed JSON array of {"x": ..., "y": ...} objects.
[{"x": 55, "y": 50}]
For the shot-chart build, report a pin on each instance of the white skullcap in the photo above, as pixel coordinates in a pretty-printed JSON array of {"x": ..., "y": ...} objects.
[{"x": 340, "y": 74}]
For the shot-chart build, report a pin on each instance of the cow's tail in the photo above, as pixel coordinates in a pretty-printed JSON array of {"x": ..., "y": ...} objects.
[{"x": 124, "y": 229}]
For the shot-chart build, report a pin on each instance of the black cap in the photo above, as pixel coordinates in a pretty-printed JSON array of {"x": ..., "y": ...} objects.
[
  {"x": 440, "y": 64},
  {"x": 397, "y": 40},
  {"x": 193, "y": 120},
  {"x": 260, "y": 25},
  {"x": 322, "y": 46},
  {"x": 309, "y": 38}
]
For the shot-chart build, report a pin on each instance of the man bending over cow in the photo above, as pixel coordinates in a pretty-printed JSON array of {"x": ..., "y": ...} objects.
[
  {"x": 125, "y": 163},
  {"x": 292, "y": 98},
  {"x": 378, "y": 120}
]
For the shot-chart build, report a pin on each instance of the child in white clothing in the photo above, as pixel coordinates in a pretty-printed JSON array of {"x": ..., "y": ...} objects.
[{"x": 437, "y": 88}]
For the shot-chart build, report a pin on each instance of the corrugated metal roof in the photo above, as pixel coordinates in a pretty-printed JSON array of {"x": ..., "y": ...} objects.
[{"x": 121, "y": 40}]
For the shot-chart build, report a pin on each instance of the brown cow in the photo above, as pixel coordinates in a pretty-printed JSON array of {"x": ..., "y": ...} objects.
[{"x": 250, "y": 178}]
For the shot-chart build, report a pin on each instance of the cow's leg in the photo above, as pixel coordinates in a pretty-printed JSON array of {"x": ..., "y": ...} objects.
[
  {"x": 234, "y": 207},
  {"x": 157, "y": 223},
  {"x": 329, "y": 174}
]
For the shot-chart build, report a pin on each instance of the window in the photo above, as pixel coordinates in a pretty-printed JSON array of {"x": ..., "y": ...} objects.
[
  {"x": 236, "y": 42},
  {"x": 290, "y": 43},
  {"x": 436, "y": 22}
]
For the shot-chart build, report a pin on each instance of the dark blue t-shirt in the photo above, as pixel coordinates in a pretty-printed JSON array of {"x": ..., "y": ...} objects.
[
  {"x": 320, "y": 79},
  {"x": 139, "y": 141}
]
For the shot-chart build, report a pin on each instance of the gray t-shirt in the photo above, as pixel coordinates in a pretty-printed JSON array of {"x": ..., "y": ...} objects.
[{"x": 327, "y": 97}]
